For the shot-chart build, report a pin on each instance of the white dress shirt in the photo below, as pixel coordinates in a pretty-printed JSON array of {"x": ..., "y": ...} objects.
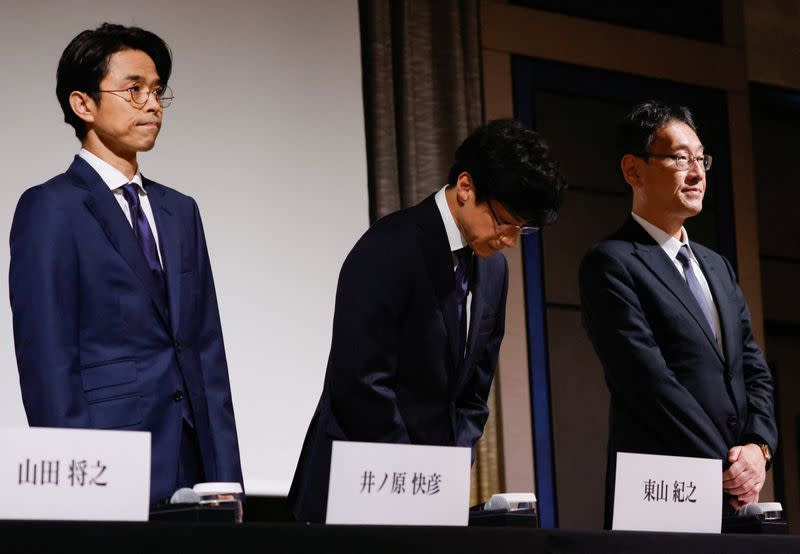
[
  {"x": 456, "y": 241},
  {"x": 672, "y": 246},
  {"x": 115, "y": 180}
]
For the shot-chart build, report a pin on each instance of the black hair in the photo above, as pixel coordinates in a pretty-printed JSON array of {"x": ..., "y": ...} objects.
[
  {"x": 636, "y": 132},
  {"x": 513, "y": 165},
  {"x": 84, "y": 63}
]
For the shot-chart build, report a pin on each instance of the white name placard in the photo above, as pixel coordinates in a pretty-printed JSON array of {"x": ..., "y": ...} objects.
[
  {"x": 74, "y": 474},
  {"x": 667, "y": 493},
  {"x": 398, "y": 484}
]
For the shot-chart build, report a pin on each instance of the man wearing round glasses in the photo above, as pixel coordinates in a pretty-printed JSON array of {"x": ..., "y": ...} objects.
[
  {"x": 670, "y": 323},
  {"x": 116, "y": 324},
  {"x": 420, "y": 308}
]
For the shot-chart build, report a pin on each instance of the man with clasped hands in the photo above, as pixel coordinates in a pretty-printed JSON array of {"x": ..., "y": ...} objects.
[{"x": 669, "y": 321}]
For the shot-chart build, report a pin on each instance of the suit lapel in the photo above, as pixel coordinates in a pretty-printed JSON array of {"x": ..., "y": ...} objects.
[
  {"x": 439, "y": 261},
  {"x": 727, "y": 317},
  {"x": 654, "y": 257},
  {"x": 104, "y": 207},
  {"x": 168, "y": 238}
]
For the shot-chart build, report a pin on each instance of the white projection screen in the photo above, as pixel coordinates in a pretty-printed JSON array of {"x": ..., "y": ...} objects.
[{"x": 267, "y": 134}]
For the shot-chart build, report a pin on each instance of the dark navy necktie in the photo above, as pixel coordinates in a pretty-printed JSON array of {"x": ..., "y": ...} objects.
[
  {"x": 464, "y": 256},
  {"x": 694, "y": 286},
  {"x": 141, "y": 228}
]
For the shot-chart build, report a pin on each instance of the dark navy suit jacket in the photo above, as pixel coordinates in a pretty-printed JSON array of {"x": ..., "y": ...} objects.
[
  {"x": 674, "y": 391},
  {"x": 96, "y": 345},
  {"x": 394, "y": 373}
]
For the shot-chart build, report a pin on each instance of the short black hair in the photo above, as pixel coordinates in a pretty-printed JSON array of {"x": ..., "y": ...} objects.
[
  {"x": 636, "y": 132},
  {"x": 513, "y": 165},
  {"x": 84, "y": 63}
]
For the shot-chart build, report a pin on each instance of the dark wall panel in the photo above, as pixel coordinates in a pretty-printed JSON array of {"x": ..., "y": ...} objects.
[
  {"x": 580, "y": 421},
  {"x": 585, "y": 219},
  {"x": 700, "y": 20},
  {"x": 775, "y": 120},
  {"x": 581, "y": 132},
  {"x": 783, "y": 355},
  {"x": 779, "y": 282},
  {"x": 776, "y": 145}
]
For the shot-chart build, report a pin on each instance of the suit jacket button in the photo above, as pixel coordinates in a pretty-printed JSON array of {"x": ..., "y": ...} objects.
[
  {"x": 732, "y": 421},
  {"x": 178, "y": 395},
  {"x": 177, "y": 346}
]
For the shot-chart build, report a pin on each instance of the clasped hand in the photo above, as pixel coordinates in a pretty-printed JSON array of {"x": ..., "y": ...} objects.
[{"x": 744, "y": 479}]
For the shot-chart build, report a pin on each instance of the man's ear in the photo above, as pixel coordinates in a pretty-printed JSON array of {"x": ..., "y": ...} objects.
[
  {"x": 82, "y": 105},
  {"x": 630, "y": 170},
  {"x": 464, "y": 187}
]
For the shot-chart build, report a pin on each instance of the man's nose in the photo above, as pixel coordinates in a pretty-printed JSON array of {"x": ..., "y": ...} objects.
[
  {"x": 152, "y": 104},
  {"x": 696, "y": 172}
]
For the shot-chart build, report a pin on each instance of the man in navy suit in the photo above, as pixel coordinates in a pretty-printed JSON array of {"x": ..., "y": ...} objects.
[
  {"x": 420, "y": 309},
  {"x": 669, "y": 321},
  {"x": 116, "y": 324}
]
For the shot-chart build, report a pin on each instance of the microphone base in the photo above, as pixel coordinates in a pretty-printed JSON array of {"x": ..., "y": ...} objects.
[
  {"x": 503, "y": 518},
  {"x": 753, "y": 525},
  {"x": 193, "y": 512}
]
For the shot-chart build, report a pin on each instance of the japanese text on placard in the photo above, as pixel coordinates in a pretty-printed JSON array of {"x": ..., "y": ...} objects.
[
  {"x": 664, "y": 491},
  {"x": 73, "y": 473},
  {"x": 419, "y": 484}
]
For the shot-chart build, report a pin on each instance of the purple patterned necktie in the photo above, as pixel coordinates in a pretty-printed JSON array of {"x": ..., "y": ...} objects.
[
  {"x": 462, "y": 290},
  {"x": 694, "y": 286},
  {"x": 141, "y": 228},
  {"x": 144, "y": 235}
]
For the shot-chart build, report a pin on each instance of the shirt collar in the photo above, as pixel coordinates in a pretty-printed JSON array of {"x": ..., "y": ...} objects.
[
  {"x": 111, "y": 176},
  {"x": 670, "y": 244},
  {"x": 454, "y": 237}
]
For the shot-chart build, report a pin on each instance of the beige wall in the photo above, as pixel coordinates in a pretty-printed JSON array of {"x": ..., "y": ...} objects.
[{"x": 255, "y": 83}]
